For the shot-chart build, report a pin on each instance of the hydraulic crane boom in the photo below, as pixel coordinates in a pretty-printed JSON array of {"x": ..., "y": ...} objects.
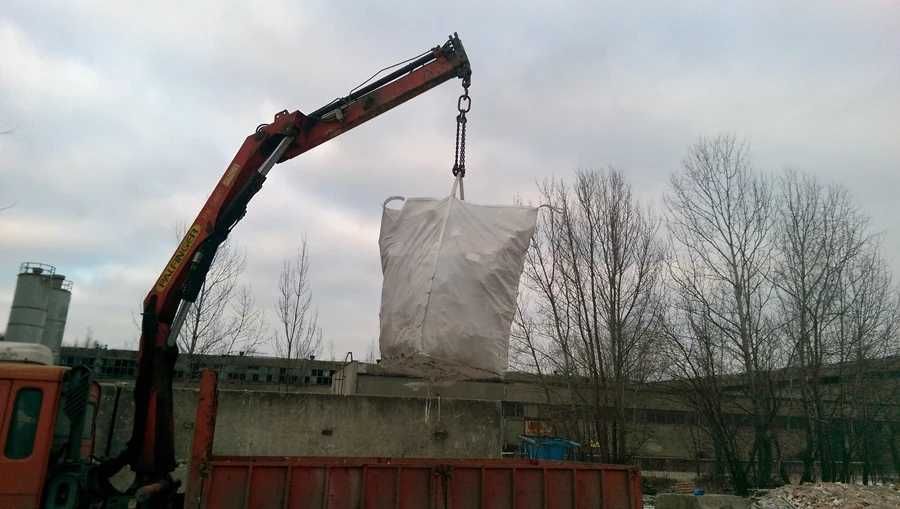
[{"x": 150, "y": 451}]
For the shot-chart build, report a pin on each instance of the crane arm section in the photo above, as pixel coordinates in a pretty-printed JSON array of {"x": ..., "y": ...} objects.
[{"x": 150, "y": 451}]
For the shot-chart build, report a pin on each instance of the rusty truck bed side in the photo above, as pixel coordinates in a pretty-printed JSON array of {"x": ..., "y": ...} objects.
[{"x": 376, "y": 483}]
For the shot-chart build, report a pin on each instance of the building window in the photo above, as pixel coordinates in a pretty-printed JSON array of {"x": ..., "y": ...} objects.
[{"x": 23, "y": 427}]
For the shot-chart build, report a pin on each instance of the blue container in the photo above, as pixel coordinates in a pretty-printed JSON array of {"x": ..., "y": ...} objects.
[{"x": 546, "y": 448}]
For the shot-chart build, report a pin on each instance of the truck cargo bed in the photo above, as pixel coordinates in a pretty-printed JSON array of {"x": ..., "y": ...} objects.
[{"x": 337, "y": 483}]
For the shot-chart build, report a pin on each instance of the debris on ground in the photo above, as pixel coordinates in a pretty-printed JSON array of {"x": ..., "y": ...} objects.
[{"x": 828, "y": 495}]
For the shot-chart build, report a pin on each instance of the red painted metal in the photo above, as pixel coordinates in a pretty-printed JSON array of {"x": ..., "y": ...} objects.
[
  {"x": 335, "y": 483},
  {"x": 257, "y": 482},
  {"x": 22, "y": 479},
  {"x": 204, "y": 432}
]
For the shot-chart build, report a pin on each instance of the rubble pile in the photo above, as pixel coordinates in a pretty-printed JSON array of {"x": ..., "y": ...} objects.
[{"x": 827, "y": 495}]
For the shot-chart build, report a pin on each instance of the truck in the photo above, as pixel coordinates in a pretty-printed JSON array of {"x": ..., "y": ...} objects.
[
  {"x": 42, "y": 402},
  {"x": 47, "y": 421}
]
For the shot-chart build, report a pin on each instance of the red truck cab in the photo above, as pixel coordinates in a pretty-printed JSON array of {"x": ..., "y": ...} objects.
[{"x": 36, "y": 431}]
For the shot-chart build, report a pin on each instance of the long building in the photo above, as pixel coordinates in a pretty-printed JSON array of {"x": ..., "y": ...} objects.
[
  {"x": 306, "y": 375},
  {"x": 671, "y": 443}
]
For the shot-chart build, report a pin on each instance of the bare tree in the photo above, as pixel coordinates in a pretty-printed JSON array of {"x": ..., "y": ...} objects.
[
  {"x": 699, "y": 366},
  {"x": 299, "y": 335},
  {"x": 867, "y": 339},
  {"x": 839, "y": 310},
  {"x": 224, "y": 319},
  {"x": 819, "y": 235},
  {"x": 720, "y": 216},
  {"x": 246, "y": 329},
  {"x": 595, "y": 272},
  {"x": 528, "y": 348}
]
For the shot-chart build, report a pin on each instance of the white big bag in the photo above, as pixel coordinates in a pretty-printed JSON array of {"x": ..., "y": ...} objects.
[{"x": 451, "y": 273}]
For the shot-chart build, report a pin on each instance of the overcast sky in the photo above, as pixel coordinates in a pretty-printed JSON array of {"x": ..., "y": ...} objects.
[{"x": 124, "y": 116}]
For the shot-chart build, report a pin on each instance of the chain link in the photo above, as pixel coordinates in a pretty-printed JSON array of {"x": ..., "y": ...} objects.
[{"x": 463, "y": 105}]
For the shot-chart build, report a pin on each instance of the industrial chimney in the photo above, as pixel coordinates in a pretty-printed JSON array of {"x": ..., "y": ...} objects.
[{"x": 40, "y": 306}]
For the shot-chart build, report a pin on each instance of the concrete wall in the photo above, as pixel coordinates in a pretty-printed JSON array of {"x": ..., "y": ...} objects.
[
  {"x": 314, "y": 424},
  {"x": 298, "y": 424}
]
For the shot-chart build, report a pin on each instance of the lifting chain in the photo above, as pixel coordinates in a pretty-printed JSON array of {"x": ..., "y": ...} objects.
[{"x": 463, "y": 105}]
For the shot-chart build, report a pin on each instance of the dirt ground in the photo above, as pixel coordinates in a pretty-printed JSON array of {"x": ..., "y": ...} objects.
[{"x": 830, "y": 495}]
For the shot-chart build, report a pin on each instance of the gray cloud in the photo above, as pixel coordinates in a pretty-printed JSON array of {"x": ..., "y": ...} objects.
[{"x": 125, "y": 116}]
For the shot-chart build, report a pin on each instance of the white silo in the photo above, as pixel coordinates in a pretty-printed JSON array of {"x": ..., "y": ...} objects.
[
  {"x": 29, "y": 307},
  {"x": 59, "y": 294},
  {"x": 40, "y": 306}
]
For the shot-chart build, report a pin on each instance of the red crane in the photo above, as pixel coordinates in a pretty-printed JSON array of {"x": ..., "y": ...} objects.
[{"x": 150, "y": 451}]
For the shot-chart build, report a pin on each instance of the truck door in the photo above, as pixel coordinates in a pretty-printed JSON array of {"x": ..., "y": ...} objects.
[{"x": 27, "y": 413}]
